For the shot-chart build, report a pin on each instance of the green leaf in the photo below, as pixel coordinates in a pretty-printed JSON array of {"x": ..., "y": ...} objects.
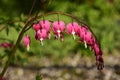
[{"x": 38, "y": 77}]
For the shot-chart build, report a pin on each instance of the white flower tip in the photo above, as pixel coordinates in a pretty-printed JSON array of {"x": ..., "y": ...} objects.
[
  {"x": 58, "y": 31},
  {"x": 41, "y": 41},
  {"x": 28, "y": 48},
  {"x": 85, "y": 44},
  {"x": 73, "y": 33}
]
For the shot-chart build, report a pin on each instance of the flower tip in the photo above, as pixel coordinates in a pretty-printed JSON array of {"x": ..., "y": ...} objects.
[
  {"x": 85, "y": 44},
  {"x": 28, "y": 48},
  {"x": 73, "y": 36},
  {"x": 26, "y": 42},
  {"x": 100, "y": 65},
  {"x": 41, "y": 41}
]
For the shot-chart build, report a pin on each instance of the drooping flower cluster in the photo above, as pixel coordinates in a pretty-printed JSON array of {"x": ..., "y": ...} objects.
[
  {"x": 6, "y": 45},
  {"x": 86, "y": 37},
  {"x": 42, "y": 32}
]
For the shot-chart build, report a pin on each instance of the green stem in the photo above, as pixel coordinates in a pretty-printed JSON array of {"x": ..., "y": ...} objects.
[
  {"x": 12, "y": 54},
  {"x": 66, "y": 14},
  {"x": 27, "y": 27},
  {"x": 14, "y": 49},
  {"x": 28, "y": 22},
  {"x": 17, "y": 42}
]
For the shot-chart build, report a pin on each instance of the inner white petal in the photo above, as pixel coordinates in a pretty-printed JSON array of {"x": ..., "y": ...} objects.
[{"x": 85, "y": 44}]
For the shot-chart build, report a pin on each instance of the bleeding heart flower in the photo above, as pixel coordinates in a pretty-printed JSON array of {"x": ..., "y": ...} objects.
[
  {"x": 42, "y": 30},
  {"x": 58, "y": 27},
  {"x": 83, "y": 33},
  {"x": 45, "y": 24},
  {"x": 6, "y": 45},
  {"x": 96, "y": 49},
  {"x": 88, "y": 36},
  {"x": 72, "y": 28},
  {"x": 41, "y": 35},
  {"x": 26, "y": 42},
  {"x": 99, "y": 62},
  {"x": 89, "y": 39},
  {"x": 92, "y": 41}
]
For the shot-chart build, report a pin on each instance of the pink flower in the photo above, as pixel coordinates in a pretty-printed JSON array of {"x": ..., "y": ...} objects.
[
  {"x": 92, "y": 41},
  {"x": 89, "y": 38},
  {"x": 72, "y": 28},
  {"x": 41, "y": 35},
  {"x": 26, "y": 42},
  {"x": 58, "y": 27},
  {"x": 6, "y": 45},
  {"x": 84, "y": 34},
  {"x": 45, "y": 24},
  {"x": 81, "y": 32},
  {"x": 99, "y": 62},
  {"x": 36, "y": 27},
  {"x": 98, "y": 54},
  {"x": 96, "y": 49}
]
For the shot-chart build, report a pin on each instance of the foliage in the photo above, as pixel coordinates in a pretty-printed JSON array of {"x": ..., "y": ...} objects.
[
  {"x": 38, "y": 77},
  {"x": 101, "y": 15}
]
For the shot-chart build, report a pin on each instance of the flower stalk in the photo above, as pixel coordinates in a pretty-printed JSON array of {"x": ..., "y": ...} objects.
[{"x": 43, "y": 32}]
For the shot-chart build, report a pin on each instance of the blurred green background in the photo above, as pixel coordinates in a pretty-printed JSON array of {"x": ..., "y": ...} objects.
[{"x": 103, "y": 17}]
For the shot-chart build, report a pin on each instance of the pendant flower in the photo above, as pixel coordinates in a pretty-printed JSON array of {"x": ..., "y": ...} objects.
[
  {"x": 58, "y": 27},
  {"x": 45, "y": 24},
  {"x": 41, "y": 35},
  {"x": 72, "y": 28},
  {"x": 6, "y": 45},
  {"x": 26, "y": 42},
  {"x": 42, "y": 32}
]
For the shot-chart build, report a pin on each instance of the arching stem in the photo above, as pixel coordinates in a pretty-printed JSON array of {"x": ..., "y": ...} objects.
[
  {"x": 15, "y": 48},
  {"x": 28, "y": 26}
]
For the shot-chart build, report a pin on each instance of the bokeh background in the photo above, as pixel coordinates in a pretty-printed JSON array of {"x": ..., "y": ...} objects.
[{"x": 67, "y": 60}]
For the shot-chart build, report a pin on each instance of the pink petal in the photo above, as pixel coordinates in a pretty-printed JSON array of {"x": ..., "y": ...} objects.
[
  {"x": 41, "y": 34},
  {"x": 58, "y": 26},
  {"x": 88, "y": 36},
  {"x": 72, "y": 28},
  {"x": 36, "y": 27},
  {"x": 96, "y": 49},
  {"x": 45, "y": 24},
  {"x": 26, "y": 40}
]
